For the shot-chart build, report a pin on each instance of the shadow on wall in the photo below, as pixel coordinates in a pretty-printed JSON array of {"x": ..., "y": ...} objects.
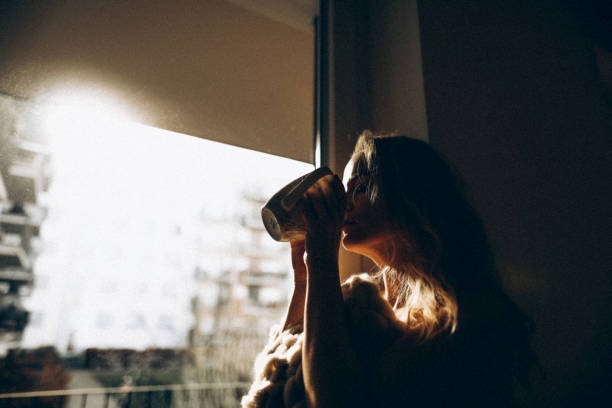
[{"x": 515, "y": 99}]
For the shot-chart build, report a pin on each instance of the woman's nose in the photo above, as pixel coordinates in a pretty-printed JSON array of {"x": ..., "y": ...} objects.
[{"x": 350, "y": 205}]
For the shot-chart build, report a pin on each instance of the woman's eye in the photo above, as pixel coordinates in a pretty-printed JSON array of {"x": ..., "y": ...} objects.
[{"x": 359, "y": 189}]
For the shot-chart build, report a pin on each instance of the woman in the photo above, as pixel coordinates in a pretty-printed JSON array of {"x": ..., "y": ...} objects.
[{"x": 432, "y": 326}]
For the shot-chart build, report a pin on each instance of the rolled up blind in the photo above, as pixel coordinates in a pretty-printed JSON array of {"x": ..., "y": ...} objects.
[{"x": 206, "y": 68}]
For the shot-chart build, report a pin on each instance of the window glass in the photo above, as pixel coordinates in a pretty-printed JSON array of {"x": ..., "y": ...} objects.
[{"x": 133, "y": 261}]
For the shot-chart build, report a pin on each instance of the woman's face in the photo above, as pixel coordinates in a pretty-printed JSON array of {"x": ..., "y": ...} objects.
[{"x": 366, "y": 228}]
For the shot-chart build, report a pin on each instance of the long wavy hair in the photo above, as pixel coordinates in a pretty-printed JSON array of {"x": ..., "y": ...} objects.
[{"x": 442, "y": 277}]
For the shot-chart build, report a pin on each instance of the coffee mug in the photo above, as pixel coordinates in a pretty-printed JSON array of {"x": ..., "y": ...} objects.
[{"x": 281, "y": 215}]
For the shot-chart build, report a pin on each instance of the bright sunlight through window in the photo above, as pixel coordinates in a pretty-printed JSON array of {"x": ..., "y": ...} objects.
[
  {"x": 144, "y": 223},
  {"x": 151, "y": 264}
]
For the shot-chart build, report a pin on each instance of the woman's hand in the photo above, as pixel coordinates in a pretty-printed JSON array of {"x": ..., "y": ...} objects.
[
  {"x": 323, "y": 210},
  {"x": 331, "y": 378}
]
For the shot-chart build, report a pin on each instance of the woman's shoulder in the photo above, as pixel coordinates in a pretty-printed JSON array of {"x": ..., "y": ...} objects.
[
  {"x": 367, "y": 308},
  {"x": 361, "y": 282}
]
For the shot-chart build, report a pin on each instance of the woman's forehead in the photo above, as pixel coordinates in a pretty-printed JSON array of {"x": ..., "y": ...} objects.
[
  {"x": 355, "y": 168},
  {"x": 348, "y": 172}
]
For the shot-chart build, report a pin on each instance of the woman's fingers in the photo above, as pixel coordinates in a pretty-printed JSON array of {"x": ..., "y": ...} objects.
[
  {"x": 317, "y": 197},
  {"x": 326, "y": 195},
  {"x": 308, "y": 209},
  {"x": 340, "y": 194},
  {"x": 327, "y": 198},
  {"x": 323, "y": 209},
  {"x": 335, "y": 196}
]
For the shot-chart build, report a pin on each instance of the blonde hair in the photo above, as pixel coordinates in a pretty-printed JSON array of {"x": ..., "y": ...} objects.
[
  {"x": 419, "y": 300},
  {"x": 415, "y": 281}
]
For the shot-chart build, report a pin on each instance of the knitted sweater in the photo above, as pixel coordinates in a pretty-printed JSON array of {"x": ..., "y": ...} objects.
[{"x": 278, "y": 380}]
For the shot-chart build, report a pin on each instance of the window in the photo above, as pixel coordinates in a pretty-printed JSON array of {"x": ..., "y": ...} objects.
[
  {"x": 159, "y": 270},
  {"x": 131, "y": 254}
]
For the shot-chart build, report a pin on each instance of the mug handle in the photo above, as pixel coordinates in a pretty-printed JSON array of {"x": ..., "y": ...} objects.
[{"x": 289, "y": 201}]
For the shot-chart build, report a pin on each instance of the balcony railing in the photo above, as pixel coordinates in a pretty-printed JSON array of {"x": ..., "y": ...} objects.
[{"x": 152, "y": 396}]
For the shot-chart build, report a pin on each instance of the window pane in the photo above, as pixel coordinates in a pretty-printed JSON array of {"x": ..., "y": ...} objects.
[{"x": 143, "y": 261}]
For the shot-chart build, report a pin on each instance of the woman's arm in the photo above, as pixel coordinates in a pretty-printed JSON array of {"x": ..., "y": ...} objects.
[
  {"x": 295, "y": 312},
  {"x": 333, "y": 376}
]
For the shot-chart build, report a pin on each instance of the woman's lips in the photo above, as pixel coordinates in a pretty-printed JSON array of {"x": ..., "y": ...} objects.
[{"x": 347, "y": 225}]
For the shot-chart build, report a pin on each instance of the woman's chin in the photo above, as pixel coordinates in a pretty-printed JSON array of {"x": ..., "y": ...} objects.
[
  {"x": 345, "y": 241},
  {"x": 350, "y": 243}
]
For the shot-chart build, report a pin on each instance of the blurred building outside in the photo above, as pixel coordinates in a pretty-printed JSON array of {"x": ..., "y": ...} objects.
[
  {"x": 202, "y": 278},
  {"x": 24, "y": 176}
]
